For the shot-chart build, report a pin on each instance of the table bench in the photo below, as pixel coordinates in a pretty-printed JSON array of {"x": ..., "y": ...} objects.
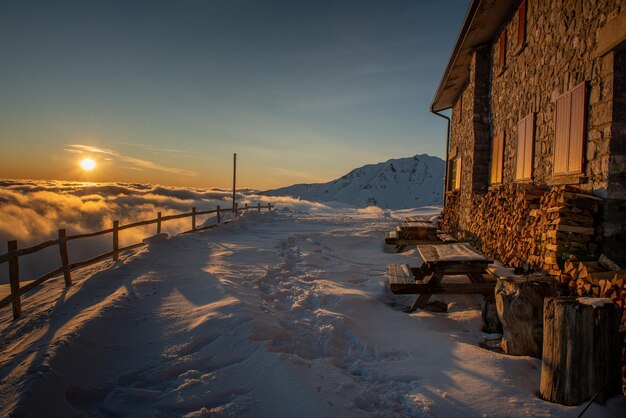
[{"x": 440, "y": 261}]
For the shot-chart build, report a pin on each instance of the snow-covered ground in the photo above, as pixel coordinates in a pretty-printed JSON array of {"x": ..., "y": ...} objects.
[{"x": 282, "y": 314}]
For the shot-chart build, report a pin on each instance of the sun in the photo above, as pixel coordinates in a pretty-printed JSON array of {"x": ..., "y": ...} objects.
[{"x": 87, "y": 164}]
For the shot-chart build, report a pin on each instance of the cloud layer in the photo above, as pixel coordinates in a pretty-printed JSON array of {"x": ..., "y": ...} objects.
[{"x": 32, "y": 211}]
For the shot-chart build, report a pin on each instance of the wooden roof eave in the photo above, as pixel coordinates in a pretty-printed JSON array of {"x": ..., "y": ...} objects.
[{"x": 482, "y": 22}]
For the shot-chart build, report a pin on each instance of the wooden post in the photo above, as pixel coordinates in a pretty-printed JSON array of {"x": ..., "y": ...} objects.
[
  {"x": 245, "y": 207},
  {"x": 193, "y": 219},
  {"x": 116, "y": 241},
  {"x": 581, "y": 350},
  {"x": 259, "y": 206},
  {"x": 218, "y": 215},
  {"x": 14, "y": 279},
  {"x": 234, "y": 184},
  {"x": 65, "y": 262},
  {"x": 269, "y": 207},
  {"x": 158, "y": 222}
]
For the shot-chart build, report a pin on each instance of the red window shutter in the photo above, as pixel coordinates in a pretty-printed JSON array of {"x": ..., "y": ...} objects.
[
  {"x": 521, "y": 149},
  {"x": 529, "y": 146},
  {"x": 521, "y": 30},
  {"x": 577, "y": 129},
  {"x": 561, "y": 134},
  {"x": 502, "y": 50}
]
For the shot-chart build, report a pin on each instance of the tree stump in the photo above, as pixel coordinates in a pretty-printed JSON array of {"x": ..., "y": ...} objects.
[
  {"x": 519, "y": 302},
  {"x": 580, "y": 350}
]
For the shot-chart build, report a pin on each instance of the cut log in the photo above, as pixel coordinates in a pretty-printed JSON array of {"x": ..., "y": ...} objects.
[
  {"x": 580, "y": 350},
  {"x": 519, "y": 302}
]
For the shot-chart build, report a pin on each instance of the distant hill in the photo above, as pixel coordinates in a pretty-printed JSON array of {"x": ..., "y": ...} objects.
[{"x": 395, "y": 184}]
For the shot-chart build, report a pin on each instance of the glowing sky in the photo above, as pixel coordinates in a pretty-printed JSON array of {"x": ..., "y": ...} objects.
[{"x": 165, "y": 91}]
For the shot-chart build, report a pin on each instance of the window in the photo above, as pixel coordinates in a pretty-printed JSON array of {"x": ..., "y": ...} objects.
[
  {"x": 497, "y": 158},
  {"x": 525, "y": 147},
  {"x": 569, "y": 131},
  {"x": 502, "y": 52},
  {"x": 454, "y": 174},
  {"x": 521, "y": 28}
]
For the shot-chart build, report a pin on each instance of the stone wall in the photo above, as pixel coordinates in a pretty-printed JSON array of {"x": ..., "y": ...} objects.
[
  {"x": 470, "y": 133},
  {"x": 559, "y": 53}
]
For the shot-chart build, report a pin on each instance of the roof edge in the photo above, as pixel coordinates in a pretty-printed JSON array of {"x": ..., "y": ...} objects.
[{"x": 467, "y": 22}]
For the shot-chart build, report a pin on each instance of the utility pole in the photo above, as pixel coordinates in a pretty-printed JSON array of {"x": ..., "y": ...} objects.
[{"x": 234, "y": 185}]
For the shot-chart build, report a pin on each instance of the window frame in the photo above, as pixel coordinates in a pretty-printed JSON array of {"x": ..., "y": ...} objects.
[{"x": 454, "y": 174}]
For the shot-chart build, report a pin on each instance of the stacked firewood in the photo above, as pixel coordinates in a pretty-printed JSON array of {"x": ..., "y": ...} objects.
[
  {"x": 566, "y": 218},
  {"x": 592, "y": 280},
  {"x": 529, "y": 227},
  {"x": 500, "y": 225},
  {"x": 450, "y": 216}
]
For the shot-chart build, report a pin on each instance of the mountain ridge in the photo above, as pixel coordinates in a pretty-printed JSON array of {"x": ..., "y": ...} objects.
[{"x": 398, "y": 183}]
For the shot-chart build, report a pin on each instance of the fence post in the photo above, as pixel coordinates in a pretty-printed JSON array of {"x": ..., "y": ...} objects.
[
  {"x": 218, "y": 214},
  {"x": 116, "y": 241},
  {"x": 193, "y": 219},
  {"x": 14, "y": 279},
  {"x": 259, "y": 206},
  {"x": 245, "y": 207},
  {"x": 269, "y": 207},
  {"x": 158, "y": 222},
  {"x": 65, "y": 262}
]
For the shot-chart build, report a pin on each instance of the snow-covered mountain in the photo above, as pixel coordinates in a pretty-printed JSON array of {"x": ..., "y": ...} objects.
[{"x": 395, "y": 184}]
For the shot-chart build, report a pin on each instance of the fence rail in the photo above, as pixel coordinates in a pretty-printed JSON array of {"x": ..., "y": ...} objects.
[{"x": 14, "y": 253}]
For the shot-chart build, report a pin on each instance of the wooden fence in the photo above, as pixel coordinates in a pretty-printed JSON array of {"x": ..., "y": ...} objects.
[{"x": 12, "y": 257}]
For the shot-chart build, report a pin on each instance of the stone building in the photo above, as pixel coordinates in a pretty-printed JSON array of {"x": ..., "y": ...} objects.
[{"x": 537, "y": 91}]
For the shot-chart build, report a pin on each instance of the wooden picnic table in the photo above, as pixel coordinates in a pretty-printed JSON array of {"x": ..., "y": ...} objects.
[
  {"x": 401, "y": 243},
  {"x": 440, "y": 261},
  {"x": 420, "y": 230}
]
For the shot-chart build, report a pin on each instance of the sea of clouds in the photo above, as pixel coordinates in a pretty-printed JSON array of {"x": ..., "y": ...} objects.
[{"x": 32, "y": 211}]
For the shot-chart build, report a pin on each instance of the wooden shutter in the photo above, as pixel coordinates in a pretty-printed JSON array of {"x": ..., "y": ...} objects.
[
  {"x": 525, "y": 148},
  {"x": 497, "y": 158},
  {"x": 521, "y": 29},
  {"x": 577, "y": 129},
  {"x": 502, "y": 51},
  {"x": 457, "y": 179},
  {"x": 569, "y": 131},
  {"x": 561, "y": 134},
  {"x": 521, "y": 148},
  {"x": 529, "y": 146}
]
